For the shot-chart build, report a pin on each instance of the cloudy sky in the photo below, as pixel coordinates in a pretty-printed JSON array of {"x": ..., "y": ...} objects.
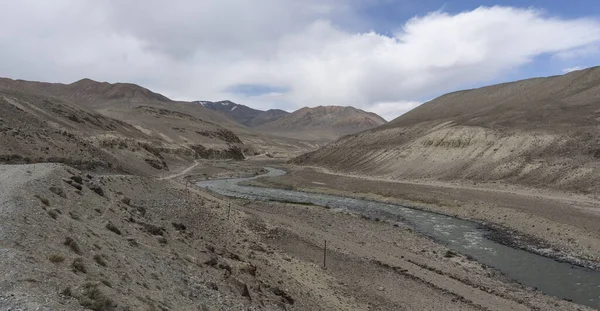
[{"x": 385, "y": 56}]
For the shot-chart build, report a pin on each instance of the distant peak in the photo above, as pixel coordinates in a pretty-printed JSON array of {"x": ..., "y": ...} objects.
[
  {"x": 85, "y": 81},
  {"x": 114, "y": 90}
]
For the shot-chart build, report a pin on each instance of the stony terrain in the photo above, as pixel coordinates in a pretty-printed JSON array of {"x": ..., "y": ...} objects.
[
  {"x": 538, "y": 132},
  {"x": 37, "y": 128},
  {"x": 122, "y": 242},
  {"x": 98, "y": 209}
]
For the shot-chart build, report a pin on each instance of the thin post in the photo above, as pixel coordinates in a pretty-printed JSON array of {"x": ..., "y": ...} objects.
[
  {"x": 228, "y": 210},
  {"x": 325, "y": 255}
]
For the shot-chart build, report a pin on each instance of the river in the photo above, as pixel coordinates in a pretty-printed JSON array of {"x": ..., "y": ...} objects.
[{"x": 559, "y": 279}]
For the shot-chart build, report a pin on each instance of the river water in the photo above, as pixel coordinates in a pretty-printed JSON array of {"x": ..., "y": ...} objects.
[{"x": 559, "y": 279}]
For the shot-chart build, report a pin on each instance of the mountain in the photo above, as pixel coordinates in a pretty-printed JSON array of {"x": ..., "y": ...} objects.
[
  {"x": 86, "y": 90},
  {"x": 119, "y": 126},
  {"x": 540, "y": 132},
  {"x": 244, "y": 114},
  {"x": 181, "y": 131},
  {"x": 323, "y": 122},
  {"x": 118, "y": 100}
]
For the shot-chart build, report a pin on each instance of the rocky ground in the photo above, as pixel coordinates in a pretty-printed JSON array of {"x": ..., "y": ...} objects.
[{"x": 73, "y": 241}]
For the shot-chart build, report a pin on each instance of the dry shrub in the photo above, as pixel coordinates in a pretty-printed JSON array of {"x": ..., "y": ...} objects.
[
  {"x": 110, "y": 226},
  {"x": 100, "y": 260},
  {"x": 93, "y": 298},
  {"x": 42, "y": 199},
  {"x": 72, "y": 245},
  {"x": 78, "y": 265},
  {"x": 56, "y": 258}
]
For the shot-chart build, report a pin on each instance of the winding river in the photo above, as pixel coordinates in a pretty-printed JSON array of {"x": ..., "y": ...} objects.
[{"x": 563, "y": 280}]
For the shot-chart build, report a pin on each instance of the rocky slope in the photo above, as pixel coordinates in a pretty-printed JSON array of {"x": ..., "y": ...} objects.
[
  {"x": 72, "y": 241},
  {"x": 324, "y": 122},
  {"x": 177, "y": 126},
  {"x": 40, "y": 128},
  {"x": 244, "y": 114},
  {"x": 122, "y": 98},
  {"x": 537, "y": 132}
]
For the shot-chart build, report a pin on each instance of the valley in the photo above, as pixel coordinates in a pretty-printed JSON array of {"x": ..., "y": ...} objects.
[{"x": 126, "y": 200}]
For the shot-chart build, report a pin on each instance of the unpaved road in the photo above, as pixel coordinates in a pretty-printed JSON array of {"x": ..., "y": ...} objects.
[{"x": 183, "y": 172}]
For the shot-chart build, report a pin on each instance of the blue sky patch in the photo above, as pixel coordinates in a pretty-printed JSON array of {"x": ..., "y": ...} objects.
[{"x": 252, "y": 90}]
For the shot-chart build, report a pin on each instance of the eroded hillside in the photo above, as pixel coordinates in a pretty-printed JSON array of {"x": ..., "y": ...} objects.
[
  {"x": 537, "y": 132},
  {"x": 36, "y": 128}
]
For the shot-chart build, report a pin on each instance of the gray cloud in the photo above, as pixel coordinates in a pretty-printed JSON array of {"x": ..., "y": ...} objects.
[{"x": 204, "y": 49}]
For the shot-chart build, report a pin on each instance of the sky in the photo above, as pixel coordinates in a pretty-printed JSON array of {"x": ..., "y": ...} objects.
[{"x": 384, "y": 56}]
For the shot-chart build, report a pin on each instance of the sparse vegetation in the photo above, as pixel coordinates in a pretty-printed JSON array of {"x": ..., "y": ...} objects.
[
  {"x": 78, "y": 265},
  {"x": 58, "y": 191},
  {"x": 56, "y": 258},
  {"x": 152, "y": 229},
  {"x": 110, "y": 226},
  {"x": 67, "y": 292},
  {"x": 126, "y": 200},
  {"x": 450, "y": 254},
  {"x": 178, "y": 226},
  {"x": 53, "y": 213},
  {"x": 74, "y": 216},
  {"x": 93, "y": 298},
  {"x": 100, "y": 260},
  {"x": 42, "y": 199},
  {"x": 72, "y": 245}
]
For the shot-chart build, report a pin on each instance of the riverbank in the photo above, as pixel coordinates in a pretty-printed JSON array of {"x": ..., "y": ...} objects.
[
  {"x": 310, "y": 223},
  {"x": 565, "y": 226},
  {"x": 141, "y": 243},
  {"x": 369, "y": 250}
]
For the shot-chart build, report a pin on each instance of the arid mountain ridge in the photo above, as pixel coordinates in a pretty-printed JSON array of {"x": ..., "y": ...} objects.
[
  {"x": 243, "y": 114},
  {"x": 323, "y": 123},
  {"x": 93, "y": 124},
  {"x": 540, "y": 132}
]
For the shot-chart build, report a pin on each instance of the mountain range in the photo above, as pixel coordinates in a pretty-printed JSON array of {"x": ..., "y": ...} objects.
[
  {"x": 322, "y": 123},
  {"x": 99, "y": 124},
  {"x": 243, "y": 114},
  {"x": 540, "y": 132}
]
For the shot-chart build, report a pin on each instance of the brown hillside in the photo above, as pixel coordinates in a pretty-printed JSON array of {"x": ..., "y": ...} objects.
[
  {"x": 324, "y": 122},
  {"x": 538, "y": 132},
  {"x": 36, "y": 128},
  {"x": 104, "y": 97}
]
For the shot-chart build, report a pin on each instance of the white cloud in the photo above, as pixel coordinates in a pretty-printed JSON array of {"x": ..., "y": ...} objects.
[
  {"x": 199, "y": 49},
  {"x": 390, "y": 110},
  {"x": 567, "y": 70}
]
